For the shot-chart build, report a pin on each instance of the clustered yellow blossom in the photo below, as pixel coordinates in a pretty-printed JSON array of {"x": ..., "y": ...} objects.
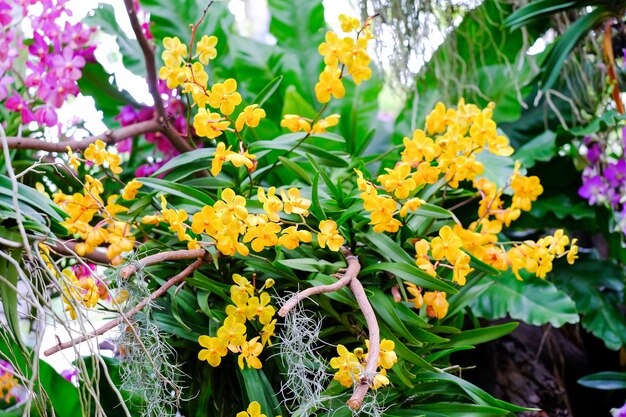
[
  {"x": 216, "y": 102},
  {"x": 232, "y": 335},
  {"x": 350, "y": 366},
  {"x": 435, "y": 301},
  {"x": 446, "y": 154},
  {"x": 8, "y": 383},
  {"x": 98, "y": 154},
  {"x": 254, "y": 410},
  {"x": 84, "y": 291},
  {"x": 82, "y": 208},
  {"x": 233, "y": 229}
]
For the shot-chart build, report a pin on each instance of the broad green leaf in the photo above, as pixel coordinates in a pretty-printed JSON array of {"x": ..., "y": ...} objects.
[
  {"x": 386, "y": 310},
  {"x": 298, "y": 26},
  {"x": 541, "y": 148},
  {"x": 33, "y": 198},
  {"x": 597, "y": 287},
  {"x": 449, "y": 409},
  {"x": 412, "y": 274},
  {"x": 566, "y": 42},
  {"x": 498, "y": 169},
  {"x": 604, "y": 380},
  {"x": 534, "y": 301},
  {"x": 267, "y": 92}
]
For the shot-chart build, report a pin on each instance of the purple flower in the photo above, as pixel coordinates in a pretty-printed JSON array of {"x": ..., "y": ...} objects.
[
  {"x": 127, "y": 116},
  {"x": 616, "y": 173},
  {"x": 619, "y": 412},
  {"x": 68, "y": 64},
  {"x": 4, "y": 82},
  {"x": 81, "y": 270},
  {"x": 70, "y": 374},
  {"x": 39, "y": 46},
  {"x": 16, "y": 104},
  {"x": 593, "y": 189},
  {"x": 594, "y": 151},
  {"x": 46, "y": 116},
  {"x": 147, "y": 170}
]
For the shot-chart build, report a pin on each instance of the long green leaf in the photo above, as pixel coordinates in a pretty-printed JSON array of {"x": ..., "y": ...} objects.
[{"x": 412, "y": 274}]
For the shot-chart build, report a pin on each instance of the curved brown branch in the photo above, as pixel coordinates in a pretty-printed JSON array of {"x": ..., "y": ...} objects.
[
  {"x": 351, "y": 272},
  {"x": 349, "y": 277},
  {"x": 113, "y": 323},
  {"x": 151, "y": 77},
  {"x": 109, "y": 137},
  {"x": 131, "y": 268},
  {"x": 374, "y": 349},
  {"x": 69, "y": 248}
]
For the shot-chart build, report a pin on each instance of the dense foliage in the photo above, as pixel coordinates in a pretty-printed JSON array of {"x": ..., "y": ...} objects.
[{"x": 257, "y": 242}]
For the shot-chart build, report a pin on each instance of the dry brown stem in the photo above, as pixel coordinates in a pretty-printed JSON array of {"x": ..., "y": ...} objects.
[
  {"x": 124, "y": 316},
  {"x": 349, "y": 278},
  {"x": 174, "y": 255},
  {"x": 108, "y": 137}
]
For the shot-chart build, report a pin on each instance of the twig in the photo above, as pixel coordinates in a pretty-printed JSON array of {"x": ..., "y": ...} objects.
[
  {"x": 175, "y": 255},
  {"x": 108, "y": 137},
  {"x": 151, "y": 77},
  {"x": 113, "y": 323},
  {"x": 69, "y": 248}
]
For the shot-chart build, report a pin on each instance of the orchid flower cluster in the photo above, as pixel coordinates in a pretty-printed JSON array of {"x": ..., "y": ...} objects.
[
  {"x": 604, "y": 178},
  {"x": 9, "y": 384},
  {"x": 232, "y": 335},
  {"x": 445, "y": 155},
  {"x": 57, "y": 52}
]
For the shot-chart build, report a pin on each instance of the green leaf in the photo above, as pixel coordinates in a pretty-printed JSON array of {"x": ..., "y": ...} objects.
[
  {"x": 259, "y": 389},
  {"x": 316, "y": 206},
  {"x": 296, "y": 169},
  {"x": 267, "y": 91},
  {"x": 498, "y": 169},
  {"x": 203, "y": 155},
  {"x": 534, "y": 301},
  {"x": 386, "y": 247},
  {"x": 187, "y": 193},
  {"x": 412, "y": 274},
  {"x": 597, "y": 288},
  {"x": 536, "y": 10},
  {"x": 386, "y": 309},
  {"x": 298, "y": 26},
  {"x": 432, "y": 211},
  {"x": 481, "y": 335},
  {"x": 310, "y": 265},
  {"x": 132, "y": 57},
  {"x": 8, "y": 293},
  {"x": 449, "y": 409},
  {"x": 295, "y": 104},
  {"x": 32, "y": 198},
  {"x": 604, "y": 380},
  {"x": 335, "y": 191},
  {"x": 566, "y": 42},
  {"x": 541, "y": 148}
]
